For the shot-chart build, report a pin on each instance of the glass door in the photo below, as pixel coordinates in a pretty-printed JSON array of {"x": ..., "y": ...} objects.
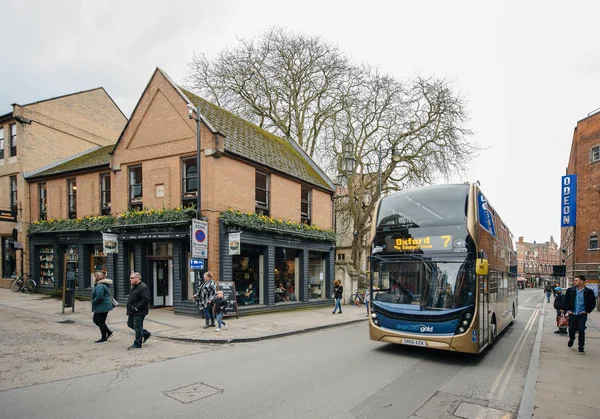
[{"x": 162, "y": 282}]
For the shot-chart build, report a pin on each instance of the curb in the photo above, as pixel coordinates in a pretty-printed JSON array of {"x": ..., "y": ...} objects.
[{"x": 259, "y": 338}]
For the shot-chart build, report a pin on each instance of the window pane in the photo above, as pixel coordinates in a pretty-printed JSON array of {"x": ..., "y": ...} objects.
[
  {"x": 261, "y": 180},
  {"x": 304, "y": 194},
  {"x": 304, "y": 208},
  {"x": 261, "y": 196}
]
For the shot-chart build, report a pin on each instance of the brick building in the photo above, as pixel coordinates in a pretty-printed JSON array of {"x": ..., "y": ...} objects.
[
  {"x": 535, "y": 260},
  {"x": 254, "y": 185},
  {"x": 38, "y": 134},
  {"x": 580, "y": 242}
]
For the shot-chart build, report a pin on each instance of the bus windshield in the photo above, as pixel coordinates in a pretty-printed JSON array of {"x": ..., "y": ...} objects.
[
  {"x": 425, "y": 207},
  {"x": 426, "y": 284}
]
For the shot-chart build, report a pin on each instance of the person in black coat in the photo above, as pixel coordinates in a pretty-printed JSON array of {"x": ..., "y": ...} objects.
[
  {"x": 560, "y": 304},
  {"x": 580, "y": 301},
  {"x": 137, "y": 310}
]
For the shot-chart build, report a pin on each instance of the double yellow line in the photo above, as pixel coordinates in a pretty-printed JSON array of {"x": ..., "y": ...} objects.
[{"x": 499, "y": 387}]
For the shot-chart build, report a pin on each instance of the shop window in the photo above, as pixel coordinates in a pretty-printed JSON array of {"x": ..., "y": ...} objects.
[
  {"x": 135, "y": 188},
  {"x": 13, "y": 140},
  {"x": 13, "y": 194},
  {"x": 47, "y": 265},
  {"x": 1, "y": 143},
  {"x": 98, "y": 262},
  {"x": 105, "y": 198},
  {"x": 316, "y": 275},
  {"x": 287, "y": 274},
  {"x": 72, "y": 198},
  {"x": 189, "y": 182},
  {"x": 262, "y": 181},
  {"x": 42, "y": 196},
  {"x": 596, "y": 154},
  {"x": 246, "y": 274},
  {"x": 9, "y": 258},
  {"x": 305, "y": 205},
  {"x": 593, "y": 242},
  {"x": 72, "y": 265}
]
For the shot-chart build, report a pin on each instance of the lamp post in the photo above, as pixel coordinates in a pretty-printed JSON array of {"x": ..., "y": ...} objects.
[
  {"x": 197, "y": 118},
  {"x": 396, "y": 157}
]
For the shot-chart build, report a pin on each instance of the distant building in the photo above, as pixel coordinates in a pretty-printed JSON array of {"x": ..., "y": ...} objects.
[
  {"x": 535, "y": 260},
  {"x": 580, "y": 242}
]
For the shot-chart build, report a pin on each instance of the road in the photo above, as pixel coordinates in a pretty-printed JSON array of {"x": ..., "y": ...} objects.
[{"x": 336, "y": 373}]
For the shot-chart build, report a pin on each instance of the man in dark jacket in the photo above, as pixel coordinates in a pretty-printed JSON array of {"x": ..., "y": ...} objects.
[
  {"x": 580, "y": 302},
  {"x": 560, "y": 306},
  {"x": 137, "y": 309}
]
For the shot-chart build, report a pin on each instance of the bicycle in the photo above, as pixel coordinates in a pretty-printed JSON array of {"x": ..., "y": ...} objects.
[
  {"x": 358, "y": 298},
  {"x": 19, "y": 284}
]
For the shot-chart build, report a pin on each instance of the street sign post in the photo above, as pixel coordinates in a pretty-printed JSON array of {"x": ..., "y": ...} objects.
[
  {"x": 199, "y": 235},
  {"x": 196, "y": 264}
]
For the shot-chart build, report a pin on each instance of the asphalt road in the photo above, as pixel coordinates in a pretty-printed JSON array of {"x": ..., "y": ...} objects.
[{"x": 337, "y": 373}]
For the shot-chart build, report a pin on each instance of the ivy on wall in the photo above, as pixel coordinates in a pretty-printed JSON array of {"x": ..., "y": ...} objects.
[{"x": 259, "y": 222}]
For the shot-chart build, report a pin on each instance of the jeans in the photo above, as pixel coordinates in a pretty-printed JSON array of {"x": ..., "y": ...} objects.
[
  {"x": 137, "y": 324},
  {"x": 367, "y": 305},
  {"x": 338, "y": 302},
  {"x": 577, "y": 323},
  {"x": 208, "y": 312},
  {"x": 100, "y": 321},
  {"x": 548, "y": 296},
  {"x": 220, "y": 321}
]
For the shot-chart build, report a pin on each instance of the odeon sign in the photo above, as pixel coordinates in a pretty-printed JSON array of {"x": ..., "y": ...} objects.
[{"x": 568, "y": 201}]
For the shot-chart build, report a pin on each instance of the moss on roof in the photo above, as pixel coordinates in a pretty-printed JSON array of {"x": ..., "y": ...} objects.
[
  {"x": 254, "y": 143},
  {"x": 96, "y": 157}
]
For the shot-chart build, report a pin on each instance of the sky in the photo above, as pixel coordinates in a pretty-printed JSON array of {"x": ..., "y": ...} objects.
[{"x": 528, "y": 69}]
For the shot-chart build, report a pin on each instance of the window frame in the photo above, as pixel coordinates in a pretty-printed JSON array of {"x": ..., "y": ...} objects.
[
  {"x": 105, "y": 204},
  {"x": 593, "y": 242},
  {"x": 14, "y": 197},
  {"x": 72, "y": 198},
  {"x": 260, "y": 206},
  {"x": 306, "y": 217},
  {"x": 43, "y": 201},
  {"x": 13, "y": 139},
  {"x": 188, "y": 196},
  {"x": 595, "y": 154},
  {"x": 1, "y": 143},
  {"x": 138, "y": 204}
]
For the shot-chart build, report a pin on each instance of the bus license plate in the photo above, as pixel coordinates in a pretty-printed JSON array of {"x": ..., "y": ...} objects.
[{"x": 414, "y": 342}]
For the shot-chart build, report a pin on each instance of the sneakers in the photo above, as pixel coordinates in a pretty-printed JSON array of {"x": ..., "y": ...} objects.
[
  {"x": 101, "y": 341},
  {"x": 217, "y": 329},
  {"x": 110, "y": 335},
  {"x": 581, "y": 352},
  {"x": 147, "y": 337},
  {"x": 205, "y": 326},
  {"x": 557, "y": 331},
  {"x": 333, "y": 312},
  {"x": 570, "y": 344},
  {"x": 225, "y": 326},
  {"x": 132, "y": 347}
]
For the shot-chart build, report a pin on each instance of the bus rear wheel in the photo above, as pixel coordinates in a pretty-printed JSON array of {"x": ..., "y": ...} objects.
[
  {"x": 493, "y": 332},
  {"x": 512, "y": 320}
]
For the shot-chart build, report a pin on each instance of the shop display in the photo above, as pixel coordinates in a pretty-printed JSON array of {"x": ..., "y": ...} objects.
[{"x": 47, "y": 265}]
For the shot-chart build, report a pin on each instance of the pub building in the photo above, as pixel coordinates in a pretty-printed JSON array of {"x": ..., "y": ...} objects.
[{"x": 267, "y": 206}]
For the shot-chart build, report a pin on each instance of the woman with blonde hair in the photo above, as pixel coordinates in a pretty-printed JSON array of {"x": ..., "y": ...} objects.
[
  {"x": 101, "y": 305},
  {"x": 338, "y": 290}
]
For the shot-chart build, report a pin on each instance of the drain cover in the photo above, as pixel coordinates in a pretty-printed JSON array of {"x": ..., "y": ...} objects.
[
  {"x": 193, "y": 392},
  {"x": 68, "y": 321},
  {"x": 475, "y": 411}
]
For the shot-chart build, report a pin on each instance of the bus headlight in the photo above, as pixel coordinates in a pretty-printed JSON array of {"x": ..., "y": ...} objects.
[
  {"x": 461, "y": 329},
  {"x": 468, "y": 316},
  {"x": 465, "y": 323},
  {"x": 374, "y": 315}
]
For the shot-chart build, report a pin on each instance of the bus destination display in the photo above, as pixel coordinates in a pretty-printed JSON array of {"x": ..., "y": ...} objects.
[{"x": 442, "y": 243}]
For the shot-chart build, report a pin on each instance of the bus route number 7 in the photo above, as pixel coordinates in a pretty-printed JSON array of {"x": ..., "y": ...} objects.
[{"x": 446, "y": 240}]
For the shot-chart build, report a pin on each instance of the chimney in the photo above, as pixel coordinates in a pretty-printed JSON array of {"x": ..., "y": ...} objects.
[{"x": 521, "y": 239}]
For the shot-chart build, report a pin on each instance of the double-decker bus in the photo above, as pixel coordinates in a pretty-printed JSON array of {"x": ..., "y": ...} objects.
[{"x": 443, "y": 269}]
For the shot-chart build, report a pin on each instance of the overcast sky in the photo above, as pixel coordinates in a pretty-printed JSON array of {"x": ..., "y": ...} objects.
[{"x": 529, "y": 69}]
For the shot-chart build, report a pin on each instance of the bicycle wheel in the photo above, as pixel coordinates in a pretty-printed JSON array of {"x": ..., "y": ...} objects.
[
  {"x": 30, "y": 286},
  {"x": 16, "y": 285}
]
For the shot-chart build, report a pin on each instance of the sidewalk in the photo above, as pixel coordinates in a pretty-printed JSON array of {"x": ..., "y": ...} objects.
[
  {"x": 567, "y": 383},
  {"x": 163, "y": 323}
]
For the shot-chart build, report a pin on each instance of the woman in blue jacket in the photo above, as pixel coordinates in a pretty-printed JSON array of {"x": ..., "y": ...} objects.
[{"x": 101, "y": 305}]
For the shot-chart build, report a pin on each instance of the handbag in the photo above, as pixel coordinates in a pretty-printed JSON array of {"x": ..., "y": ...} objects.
[
  {"x": 114, "y": 302},
  {"x": 562, "y": 321}
]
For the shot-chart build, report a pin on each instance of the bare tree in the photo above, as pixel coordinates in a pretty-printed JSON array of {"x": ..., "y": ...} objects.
[{"x": 289, "y": 84}]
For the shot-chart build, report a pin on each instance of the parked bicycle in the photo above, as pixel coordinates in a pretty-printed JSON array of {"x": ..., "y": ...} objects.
[
  {"x": 357, "y": 298},
  {"x": 23, "y": 282}
]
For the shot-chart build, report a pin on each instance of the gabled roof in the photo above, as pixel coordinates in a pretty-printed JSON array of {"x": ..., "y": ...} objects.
[
  {"x": 96, "y": 157},
  {"x": 250, "y": 142}
]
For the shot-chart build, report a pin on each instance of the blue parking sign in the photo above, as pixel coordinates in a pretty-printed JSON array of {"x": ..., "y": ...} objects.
[{"x": 196, "y": 264}]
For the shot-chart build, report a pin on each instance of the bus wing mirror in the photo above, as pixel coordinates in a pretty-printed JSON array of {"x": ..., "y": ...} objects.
[{"x": 482, "y": 267}]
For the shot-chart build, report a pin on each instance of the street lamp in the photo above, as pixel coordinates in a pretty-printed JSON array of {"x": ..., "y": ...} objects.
[
  {"x": 197, "y": 118},
  {"x": 396, "y": 157}
]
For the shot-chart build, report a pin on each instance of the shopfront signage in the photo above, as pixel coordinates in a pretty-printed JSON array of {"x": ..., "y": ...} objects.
[
  {"x": 110, "y": 243},
  {"x": 234, "y": 244},
  {"x": 199, "y": 236},
  {"x": 196, "y": 264},
  {"x": 68, "y": 236},
  {"x": 8, "y": 216},
  {"x": 568, "y": 203},
  {"x": 17, "y": 245},
  {"x": 153, "y": 236}
]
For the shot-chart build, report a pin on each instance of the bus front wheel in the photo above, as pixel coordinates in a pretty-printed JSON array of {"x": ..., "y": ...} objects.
[
  {"x": 512, "y": 320},
  {"x": 493, "y": 332}
]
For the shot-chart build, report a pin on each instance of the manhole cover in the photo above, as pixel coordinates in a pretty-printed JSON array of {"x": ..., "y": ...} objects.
[
  {"x": 193, "y": 392},
  {"x": 475, "y": 411},
  {"x": 68, "y": 321}
]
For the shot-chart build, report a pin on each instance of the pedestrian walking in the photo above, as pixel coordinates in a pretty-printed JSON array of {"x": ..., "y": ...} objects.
[
  {"x": 137, "y": 309},
  {"x": 560, "y": 305},
  {"x": 367, "y": 299},
  {"x": 102, "y": 305},
  {"x": 338, "y": 290},
  {"x": 580, "y": 302},
  {"x": 548, "y": 291},
  {"x": 220, "y": 306},
  {"x": 204, "y": 297}
]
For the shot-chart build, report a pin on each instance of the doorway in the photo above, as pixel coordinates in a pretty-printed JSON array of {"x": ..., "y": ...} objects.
[{"x": 162, "y": 282}]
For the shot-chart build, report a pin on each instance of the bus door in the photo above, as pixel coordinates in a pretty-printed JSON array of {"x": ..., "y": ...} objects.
[{"x": 484, "y": 304}]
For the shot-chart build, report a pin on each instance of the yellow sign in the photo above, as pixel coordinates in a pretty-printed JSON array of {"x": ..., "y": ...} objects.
[{"x": 424, "y": 243}]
